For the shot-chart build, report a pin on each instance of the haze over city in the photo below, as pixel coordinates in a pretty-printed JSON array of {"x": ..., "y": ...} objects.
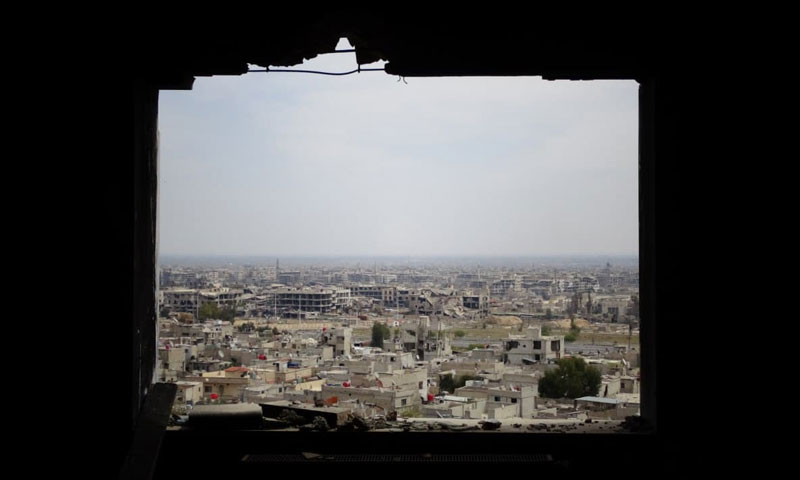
[{"x": 365, "y": 165}]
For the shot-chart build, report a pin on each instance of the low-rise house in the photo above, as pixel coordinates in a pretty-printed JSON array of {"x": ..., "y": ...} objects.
[
  {"x": 628, "y": 384},
  {"x": 409, "y": 378},
  {"x": 172, "y": 363},
  {"x": 228, "y": 385},
  {"x": 390, "y": 400},
  {"x": 467, "y": 367},
  {"x": 313, "y": 384},
  {"x": 263, "y": 393},
  {"x": 612, "y": 408},
  {"x": 533, "y": 348},
  {"x": 341, "y": 339},
  {"x": 522, "y": 399},
  {"x": 531, "y": 380},
  {"x": 282, "y": 371},
  {"x": 473, "y": 390},
  {"x": 391, "y": 362},
  {"x": 453, "y": 406},
  {"x": 207, "y": 365},
  {"x": 188, "y": 394},
  {"x": 609, "y": 386}
]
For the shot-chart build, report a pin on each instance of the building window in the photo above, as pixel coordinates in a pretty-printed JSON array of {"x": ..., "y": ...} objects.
[{"x": 403, "y": 402}]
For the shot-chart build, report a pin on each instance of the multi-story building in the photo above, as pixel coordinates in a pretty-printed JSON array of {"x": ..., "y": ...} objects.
[
  {"x": 181, "y": 300},
  {"x": 506, "y": 402},
  {"x": 387, "y": 295},
  {"x": 533, "y": 348},
  {"x": 505, "y": 286},
  {"x": 290, "y": 278},
  {"x": 475, "y": 302},
  {"x": 223, "y": 297},
  {"x": 341, "y": 339},
  {"x": 322, "y": 300}
]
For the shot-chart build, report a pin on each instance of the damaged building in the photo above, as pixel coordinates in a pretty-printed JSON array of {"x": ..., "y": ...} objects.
[{"x": 533, "y": 348}]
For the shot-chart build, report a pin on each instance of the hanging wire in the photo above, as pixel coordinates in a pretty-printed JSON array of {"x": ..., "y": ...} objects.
[{"x": 358, "y": 70}]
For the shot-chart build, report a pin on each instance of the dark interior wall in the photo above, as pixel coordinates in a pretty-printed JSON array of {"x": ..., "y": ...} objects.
[
  {"x": 120, "y": 223},
  {"x": 145, "y": 183}
]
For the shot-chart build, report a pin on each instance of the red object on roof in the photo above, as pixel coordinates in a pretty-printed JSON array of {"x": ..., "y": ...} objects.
[
  {"x": 345, "y": 384},
  {"x": 214, "y": 396},
  {"x": 430, "y": 397},
  {"x": 262, "y": 357},
  {"x": 323, "y": 329}
]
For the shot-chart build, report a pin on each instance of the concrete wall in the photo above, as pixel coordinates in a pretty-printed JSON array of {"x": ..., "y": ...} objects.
[
  {"x": 498, "y": 411},
  {"x": 455, "y": 409},
  {"x": 609, "y": 387},
  {"x": 521, "y": 379},
  {"x": 412, "y": 379},
  {"x": 629, "y": 385},
  {"x": 483, "y": 354},
  {"x": 390, "y": 400},
  {"x": 173, "y": 358},
  {"x": 313, "y": 385},
  {"x": 189, "y": 393}
]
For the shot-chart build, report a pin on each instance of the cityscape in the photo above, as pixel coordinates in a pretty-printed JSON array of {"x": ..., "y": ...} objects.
[
  {"x": 449, "y": 289},
  {"x": 399, "y": 344}
]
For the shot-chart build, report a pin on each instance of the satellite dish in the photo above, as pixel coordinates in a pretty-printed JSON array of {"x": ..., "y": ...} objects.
[{"x": 221, "y": 355}]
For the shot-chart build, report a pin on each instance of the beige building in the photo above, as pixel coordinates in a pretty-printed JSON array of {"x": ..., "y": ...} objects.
[
  {"x": 453, "y": 406},
  {"x": 521, "y": 400},
  {"x": 406, "y": 379},
  {"x": 533, "y": 348},
  {"x": 227, "y": 384},
  {"x": 390, "y": 400},
  {"x": 341, "y": 339},
  {"x": 188, "y": 394}
]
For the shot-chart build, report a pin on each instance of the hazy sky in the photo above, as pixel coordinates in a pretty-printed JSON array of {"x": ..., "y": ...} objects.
[{"x": 299, "y": 164}]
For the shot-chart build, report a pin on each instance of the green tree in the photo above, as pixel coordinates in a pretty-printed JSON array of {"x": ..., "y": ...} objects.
[
  {"x": 379, "y": 333},
  {"x": 246, "y": 327},
  {"x": 449, "y": 384},
  {"x": 208, "y": 311},
  {"x": 459, "y": 333},
  {"x": 227, "y": 314},
  {"x": 573, "y": 378},
  {"x": 574, "y": 331}
]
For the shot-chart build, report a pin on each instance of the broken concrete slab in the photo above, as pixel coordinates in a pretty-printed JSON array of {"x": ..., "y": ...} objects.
[
  {"x": 228, "y": 416},
  {"x": 490, "y": 424}
]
